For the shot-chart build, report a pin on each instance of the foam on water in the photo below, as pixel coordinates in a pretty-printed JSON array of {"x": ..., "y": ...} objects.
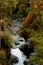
[{"x": 19, "y": 54}]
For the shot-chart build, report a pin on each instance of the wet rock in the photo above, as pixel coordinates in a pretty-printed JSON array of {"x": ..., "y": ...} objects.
[
  {"x": 13, "y": 59},
  {"x": 27, "y": 49},
  {"x": 21, "y": 40},
  {"x": 26, "y": 62},
  {"x": 17, "y": 43},
  {"x": 18, "y": 40},
  {"x": 32, "y": 54},
  {"x": 29, "y": 40}
]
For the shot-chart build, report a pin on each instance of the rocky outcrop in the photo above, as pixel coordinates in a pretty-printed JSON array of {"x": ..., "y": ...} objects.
[
  {"x": 26, "y": 62},
  {"x": 27, "y": 49},
  {"x": 18, "y": 40},
  {"x": 13, "y": 59}
]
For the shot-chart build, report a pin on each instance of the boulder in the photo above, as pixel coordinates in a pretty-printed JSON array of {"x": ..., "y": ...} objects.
[
  {"x": 18, "y": 40},
  {"x": 27, "y": 49},
  {"x": 13, "y": 59},
  {"x": 26, "y": 62}
]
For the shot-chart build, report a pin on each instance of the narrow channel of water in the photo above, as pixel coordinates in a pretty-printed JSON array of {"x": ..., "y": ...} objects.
[{"x": 15, "y": 50}]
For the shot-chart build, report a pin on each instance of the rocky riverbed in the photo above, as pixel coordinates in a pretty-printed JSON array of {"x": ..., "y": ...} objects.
[
  {"x": 21, "y": 52},
  {"x": 21, "y": 49},
  {"x": 17, "y": 56}
]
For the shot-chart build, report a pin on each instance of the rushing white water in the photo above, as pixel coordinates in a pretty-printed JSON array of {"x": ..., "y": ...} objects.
[
  {"x": 19, "y": 54},
  {"x": 17, "y": 39}
]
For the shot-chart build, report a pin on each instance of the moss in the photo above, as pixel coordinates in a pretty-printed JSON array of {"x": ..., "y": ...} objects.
[
  {"x": 5, "y": 39},
  {"x": 33, "y": 28},
  {"x": 3, "y": 58}
]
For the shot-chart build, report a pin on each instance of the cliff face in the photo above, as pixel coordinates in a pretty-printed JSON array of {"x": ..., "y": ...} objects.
[
  {"x": 33, "y": 28},
  {"x": 3, "y": 58},
  {"x": 5, "y": 22},
  {"x": 33, "y": 19},
  {"x": 5, "y": 38}
]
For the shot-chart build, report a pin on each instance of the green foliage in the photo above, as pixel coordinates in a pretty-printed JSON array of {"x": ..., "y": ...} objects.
[
  {"x": 6, "y": 22},
  {"x": 37, "y": 42},
  {"x": 3, "y": 58},
  {"x": 25, "y": 6},
  {"x": 38, "y": 45},
  {"x": 34, "y": 30},
  {"x": 7, "y": 5}
]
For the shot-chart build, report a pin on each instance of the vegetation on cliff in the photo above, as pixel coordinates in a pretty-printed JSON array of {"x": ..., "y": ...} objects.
[{"x": 32, "y": 27}]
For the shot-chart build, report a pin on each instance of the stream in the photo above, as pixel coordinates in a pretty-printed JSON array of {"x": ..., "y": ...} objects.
[
  {"x": 17, "y": 39},
  {"x": 16, "y": 51}
]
